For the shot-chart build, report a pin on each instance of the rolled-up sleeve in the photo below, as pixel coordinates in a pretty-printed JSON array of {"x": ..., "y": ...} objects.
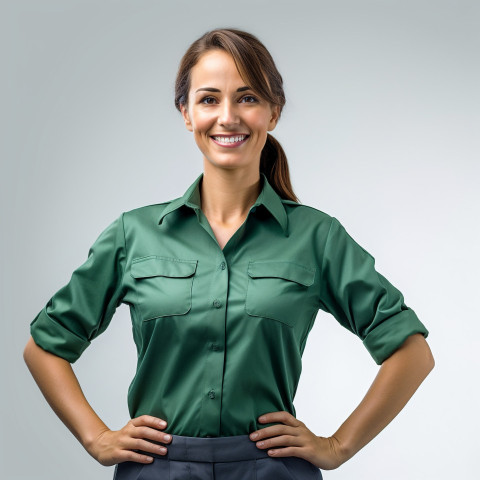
[
  {"x": 83, "y": 308},
  {"x": 363, "y": 300}
]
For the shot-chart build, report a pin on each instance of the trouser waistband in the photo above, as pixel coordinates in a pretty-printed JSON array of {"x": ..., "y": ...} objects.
[{"x": 212, "y": 449}]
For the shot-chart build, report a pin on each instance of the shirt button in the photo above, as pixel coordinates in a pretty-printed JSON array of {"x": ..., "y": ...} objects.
[
  {"x": 253, "y": 209},
  {"x": 217, "y": 303},
  {"x": 211, "y": 394},
  {"x": 223, "y": 265}
]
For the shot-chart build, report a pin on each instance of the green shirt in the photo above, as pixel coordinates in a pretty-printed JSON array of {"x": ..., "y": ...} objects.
[{"x": 220, "y": 333}]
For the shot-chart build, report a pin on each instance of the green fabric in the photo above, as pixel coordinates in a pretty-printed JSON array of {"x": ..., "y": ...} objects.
[{"x": 220, "y": 333}]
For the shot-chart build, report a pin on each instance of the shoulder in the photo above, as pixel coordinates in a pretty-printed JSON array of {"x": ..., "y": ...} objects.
[
  {"x": 306, "y": 213},
  {"x": 147, "y": 212}
]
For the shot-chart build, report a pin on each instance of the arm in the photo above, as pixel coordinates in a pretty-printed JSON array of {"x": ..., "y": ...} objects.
[
  {"x": 367, "y": 304},
  {"x": 59, "y": 385},
  {"x": 397, "y": 380}
]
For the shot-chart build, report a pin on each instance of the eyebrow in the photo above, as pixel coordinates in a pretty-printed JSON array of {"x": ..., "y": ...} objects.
[{"x": 210, "y": 89}]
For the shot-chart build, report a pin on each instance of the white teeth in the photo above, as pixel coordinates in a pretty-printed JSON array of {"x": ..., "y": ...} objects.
[{"x": 226, "y": 140}]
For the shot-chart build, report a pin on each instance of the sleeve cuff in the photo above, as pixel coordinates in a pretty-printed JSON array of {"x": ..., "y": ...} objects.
[
  {"x": 390, "y": 334},
  {"x": 54, "y": 338}
]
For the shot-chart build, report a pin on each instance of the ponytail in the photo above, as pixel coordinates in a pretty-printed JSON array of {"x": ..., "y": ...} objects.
[{"x": 273, "y": 163}]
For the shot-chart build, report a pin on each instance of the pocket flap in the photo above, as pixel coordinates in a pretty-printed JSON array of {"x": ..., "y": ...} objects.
[
  {"x": 286, "y": 270},
  {"x": 154, "y": 266}
]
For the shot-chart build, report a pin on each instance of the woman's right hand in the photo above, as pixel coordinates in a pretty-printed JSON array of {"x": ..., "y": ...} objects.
[
  {"x": 57, "y": 381},
  {"x": 117, "y": 446}
]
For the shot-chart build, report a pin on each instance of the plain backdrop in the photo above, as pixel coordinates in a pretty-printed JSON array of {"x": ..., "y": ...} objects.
[{"x": 381, "y": 128}]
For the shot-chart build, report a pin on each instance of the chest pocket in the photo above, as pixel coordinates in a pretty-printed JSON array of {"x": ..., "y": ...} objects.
[
  {"x": 278, "y": 290},
  {"x": 163, "y": 285}
]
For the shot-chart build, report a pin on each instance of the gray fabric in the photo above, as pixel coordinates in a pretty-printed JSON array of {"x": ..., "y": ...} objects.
[{"x": 217, "y": 458}]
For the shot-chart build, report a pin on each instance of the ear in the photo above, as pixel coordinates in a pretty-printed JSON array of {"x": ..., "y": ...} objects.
[
  {"x": 186, "y": 117},
  {"x": 275, "y": 116}
]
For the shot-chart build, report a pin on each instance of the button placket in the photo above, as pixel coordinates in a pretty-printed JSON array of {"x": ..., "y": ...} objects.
[{"x": 215, "y": 346}]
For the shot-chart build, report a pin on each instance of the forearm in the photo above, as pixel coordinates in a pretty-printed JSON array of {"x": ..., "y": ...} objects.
[
  {"x": 397, "y": 380},
  {"x": 59, "y": 385}
]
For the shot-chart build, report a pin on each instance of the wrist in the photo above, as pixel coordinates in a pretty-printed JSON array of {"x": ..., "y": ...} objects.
[
  {"x": 90, "y": 439},
  {"x": 330, "y": 454},
  {"x": 344, "y": 450}
]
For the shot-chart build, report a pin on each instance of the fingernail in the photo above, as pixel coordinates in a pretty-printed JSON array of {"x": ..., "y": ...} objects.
[
  {"x": 254, "y": 436},
  {"x": 167, "y": 437},
  {"x": 162, "y": 422},
  {"x": 261, "y": 418}
]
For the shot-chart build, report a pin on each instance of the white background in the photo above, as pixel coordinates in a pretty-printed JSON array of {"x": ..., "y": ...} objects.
[{"x": 381, "y": 129}]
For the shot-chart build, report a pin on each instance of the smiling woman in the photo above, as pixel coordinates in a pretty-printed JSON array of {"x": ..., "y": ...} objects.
[
  {"x": 228, "y": 82},
  {"x": 224, "y": 284},
  {"x": 231, "y": 122}
]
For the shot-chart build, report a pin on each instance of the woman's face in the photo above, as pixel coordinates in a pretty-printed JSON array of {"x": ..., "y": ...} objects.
[{"x": 228, "y": 120}]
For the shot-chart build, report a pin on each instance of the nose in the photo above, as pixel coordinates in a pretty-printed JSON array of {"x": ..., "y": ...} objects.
[{"x": 228, "y": 114}]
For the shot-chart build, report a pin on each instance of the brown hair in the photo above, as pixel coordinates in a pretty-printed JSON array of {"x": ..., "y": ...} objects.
[{"x": 257, "y": 68}]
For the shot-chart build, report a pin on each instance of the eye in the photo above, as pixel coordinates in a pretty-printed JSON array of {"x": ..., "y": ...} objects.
[
  {"x": 207, "y": 100},
  {"x": 249, "y": 99}
]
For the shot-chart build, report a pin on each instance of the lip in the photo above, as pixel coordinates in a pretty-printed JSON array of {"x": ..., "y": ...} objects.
[
  {"x": 228, "y": 134},
  {"x": 230, "y": 145}
]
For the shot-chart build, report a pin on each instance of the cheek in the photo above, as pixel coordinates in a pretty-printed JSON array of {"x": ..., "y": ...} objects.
[
  {"x": 201, "y": 122},
  {"x": 259, "y": 123},
  {"x": 200, "y": 140}
]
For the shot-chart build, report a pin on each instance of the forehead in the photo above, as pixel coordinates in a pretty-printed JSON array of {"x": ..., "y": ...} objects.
[{"x": 214, "y": 68}]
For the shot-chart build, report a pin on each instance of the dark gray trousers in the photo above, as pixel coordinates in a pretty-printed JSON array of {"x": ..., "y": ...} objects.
[{"x": 217, "y": 458}]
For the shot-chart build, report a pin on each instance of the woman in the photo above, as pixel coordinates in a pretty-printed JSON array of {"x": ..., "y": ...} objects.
[{"x": 223, "y": 285}]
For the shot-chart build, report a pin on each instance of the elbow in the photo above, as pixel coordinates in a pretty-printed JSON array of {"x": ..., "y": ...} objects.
[
  {"x": 417, "y": 351},
  {"x": 428, "y": 360},
  {"x": 431, "y": 360},
  {"x": 31, "y": 348},
  {"x": 27, "y": 351}
]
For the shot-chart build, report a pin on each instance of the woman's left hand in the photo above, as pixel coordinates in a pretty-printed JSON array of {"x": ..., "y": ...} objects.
[{"x": 294, "y": 439}]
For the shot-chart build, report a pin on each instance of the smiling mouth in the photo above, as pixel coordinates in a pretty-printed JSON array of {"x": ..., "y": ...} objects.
[{"x": 230, "y": 140}]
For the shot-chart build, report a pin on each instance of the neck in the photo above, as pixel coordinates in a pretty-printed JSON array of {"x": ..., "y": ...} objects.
[{"x": 227, "y": 195}]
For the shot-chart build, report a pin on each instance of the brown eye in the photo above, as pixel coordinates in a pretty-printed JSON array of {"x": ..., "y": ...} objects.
[
  {"x": 207, "y": 100},
  {"x": 249, "y": 99}
]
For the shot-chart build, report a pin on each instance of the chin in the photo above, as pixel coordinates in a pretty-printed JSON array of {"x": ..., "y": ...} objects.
[{"x": 230, "y": 164}]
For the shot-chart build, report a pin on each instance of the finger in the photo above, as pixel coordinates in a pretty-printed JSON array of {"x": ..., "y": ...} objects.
[
  {"x": 281, "y": 416},
  {"x": 273, "y": 431},
  {"x": 145, "y": 446},
  {"x": 287, "y": 452},
  {"x": 149, "y": 421},
  {"x": 130, "y": 456},
  {"x": 151, "y": 434},
  {"x": 281, "y": 441}
]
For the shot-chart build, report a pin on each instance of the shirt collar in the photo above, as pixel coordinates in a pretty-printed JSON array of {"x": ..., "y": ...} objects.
[{"x": 268, "y": 197}]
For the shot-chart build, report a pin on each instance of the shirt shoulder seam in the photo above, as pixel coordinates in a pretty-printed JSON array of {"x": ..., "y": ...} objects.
[
  {"x": 167, "y": 202},
  {"x": 310, "y": 207}
]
